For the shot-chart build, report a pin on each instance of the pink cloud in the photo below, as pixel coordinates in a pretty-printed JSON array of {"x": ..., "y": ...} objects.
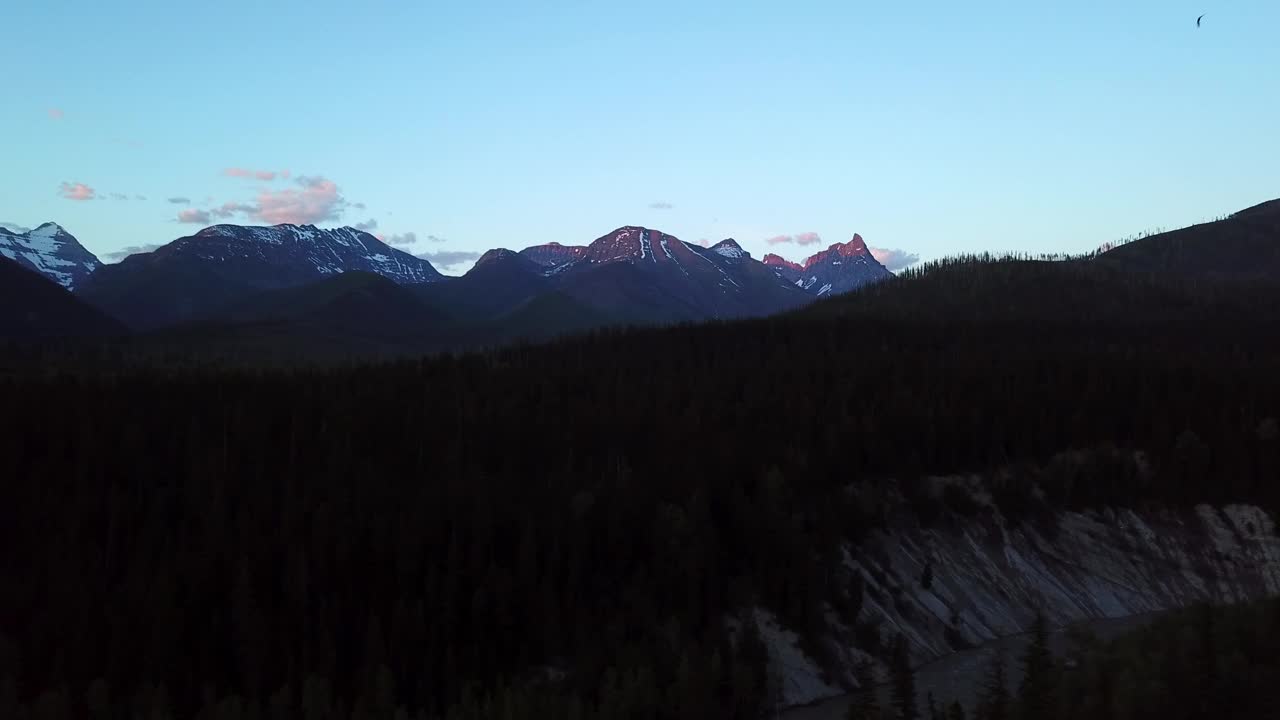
[
  {"x": 319, "y": 200},
  {"x": 55, "y": 113},
  {"x": 192, "y": 215},
  {"x": 316, "y": 200},
  {"x": 780, "y": 240},
  {"x": 894, "y": 260},
  {"x": 808, "y": 238},
  {"x": 264, "y": 175},
  {"x": 76, "y": 191}
]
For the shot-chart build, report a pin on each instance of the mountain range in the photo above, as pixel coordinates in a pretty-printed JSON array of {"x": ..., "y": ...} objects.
[
  {"x": 287, "y": 280},
  {"x": 34, "y": 306},
  {"x": 345, "y": 292}
]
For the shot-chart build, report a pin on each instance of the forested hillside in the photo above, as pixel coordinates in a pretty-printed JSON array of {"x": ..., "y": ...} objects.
[{"x": 570, "y": 530}]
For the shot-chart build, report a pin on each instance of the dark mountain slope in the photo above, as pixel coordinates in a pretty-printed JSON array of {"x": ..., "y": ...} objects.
[
  {"x": 355, "y": 314},
  {"x": 33, "y": 306}
]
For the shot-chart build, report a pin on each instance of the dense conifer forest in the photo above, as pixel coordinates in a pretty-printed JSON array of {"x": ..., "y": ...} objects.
[
  {"x": 578, "y": 529},
  {"x": 1204, "y": 662}
]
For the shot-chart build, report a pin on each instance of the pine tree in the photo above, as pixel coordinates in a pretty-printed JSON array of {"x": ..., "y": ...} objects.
[
  {"x": 903, "y": 682},
  {"x": 993, "y": 700},
  {"x": 1036, "y": 694},
  {"x": 935, "y": 712},
  {"x": 864, "y": 704}
]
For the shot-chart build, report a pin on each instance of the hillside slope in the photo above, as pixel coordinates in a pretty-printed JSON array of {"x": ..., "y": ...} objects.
[{"x": 1244, "y": 246}]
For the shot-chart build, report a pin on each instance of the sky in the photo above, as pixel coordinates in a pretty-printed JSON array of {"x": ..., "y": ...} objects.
[{"x": 931, "y": 128}]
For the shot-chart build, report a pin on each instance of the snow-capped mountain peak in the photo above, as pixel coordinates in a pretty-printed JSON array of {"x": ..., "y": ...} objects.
[
  {"x": 51, "y": 251},
  {"x": 303, "y": 250},
  {"x": 729, "y": 248}
]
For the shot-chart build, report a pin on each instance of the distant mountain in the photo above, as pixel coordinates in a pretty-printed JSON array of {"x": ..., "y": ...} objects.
[
  {"x": 639, "y": 275},
  {"x": 222, "y": 264},
  {"x": 50, "y": 251},
  {"x": 838, "y": 269},
  {"x": 33, "y": 306},
  {"x": 633, "y": 275},
  {"x": 1243, "y": 246}
]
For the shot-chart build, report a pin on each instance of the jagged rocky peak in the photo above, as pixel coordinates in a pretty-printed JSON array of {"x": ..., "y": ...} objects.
[
  {"x": 854, "y": 248},
  {"x": 777, "y": 261},
  {"x": 51, "y": 251}
]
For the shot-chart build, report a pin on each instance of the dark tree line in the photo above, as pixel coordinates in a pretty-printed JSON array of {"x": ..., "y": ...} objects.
[
  {"x": 575, "y": 530},
  {"x": 1198, "y": 664}
]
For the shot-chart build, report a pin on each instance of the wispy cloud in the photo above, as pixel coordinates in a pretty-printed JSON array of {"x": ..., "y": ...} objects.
[
  {"x": 401, "y": 239},
  {"x": 265, "y": 175},
  {"x": 180, "y": 200},
  {"x": 894, "y": 260},
  {"x": 804, "y": 238},
  {"x": 230, "y": 209},
  {"x": 194, "y": 216},
  {"x": 15, "y": 227},
  {"x": 436, "y": 239},
  {"x": 660, "y": 205},
  {"x": 56, "y": 113},
  {"x": 76, "y": 191},
  {"x": 119, "y": 196},
  {"x": 704, "y": 242},
  {"x": 450, "y": 258},
  {"x": 358, "y": 206},
  {"x": 125, "y": 252},
  {"x": 139, "y": 197},
  {"x": 367, "y": 225}
]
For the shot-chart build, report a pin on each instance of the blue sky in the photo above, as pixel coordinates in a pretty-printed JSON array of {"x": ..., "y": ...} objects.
[{"x": 930, "y": 127}]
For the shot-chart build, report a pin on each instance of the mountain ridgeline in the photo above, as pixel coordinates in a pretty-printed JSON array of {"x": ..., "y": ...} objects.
[{"x": 237, "y": 290}]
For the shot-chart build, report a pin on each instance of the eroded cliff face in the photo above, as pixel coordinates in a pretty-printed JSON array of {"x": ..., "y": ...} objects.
[{"x": 986, "y": 579}]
